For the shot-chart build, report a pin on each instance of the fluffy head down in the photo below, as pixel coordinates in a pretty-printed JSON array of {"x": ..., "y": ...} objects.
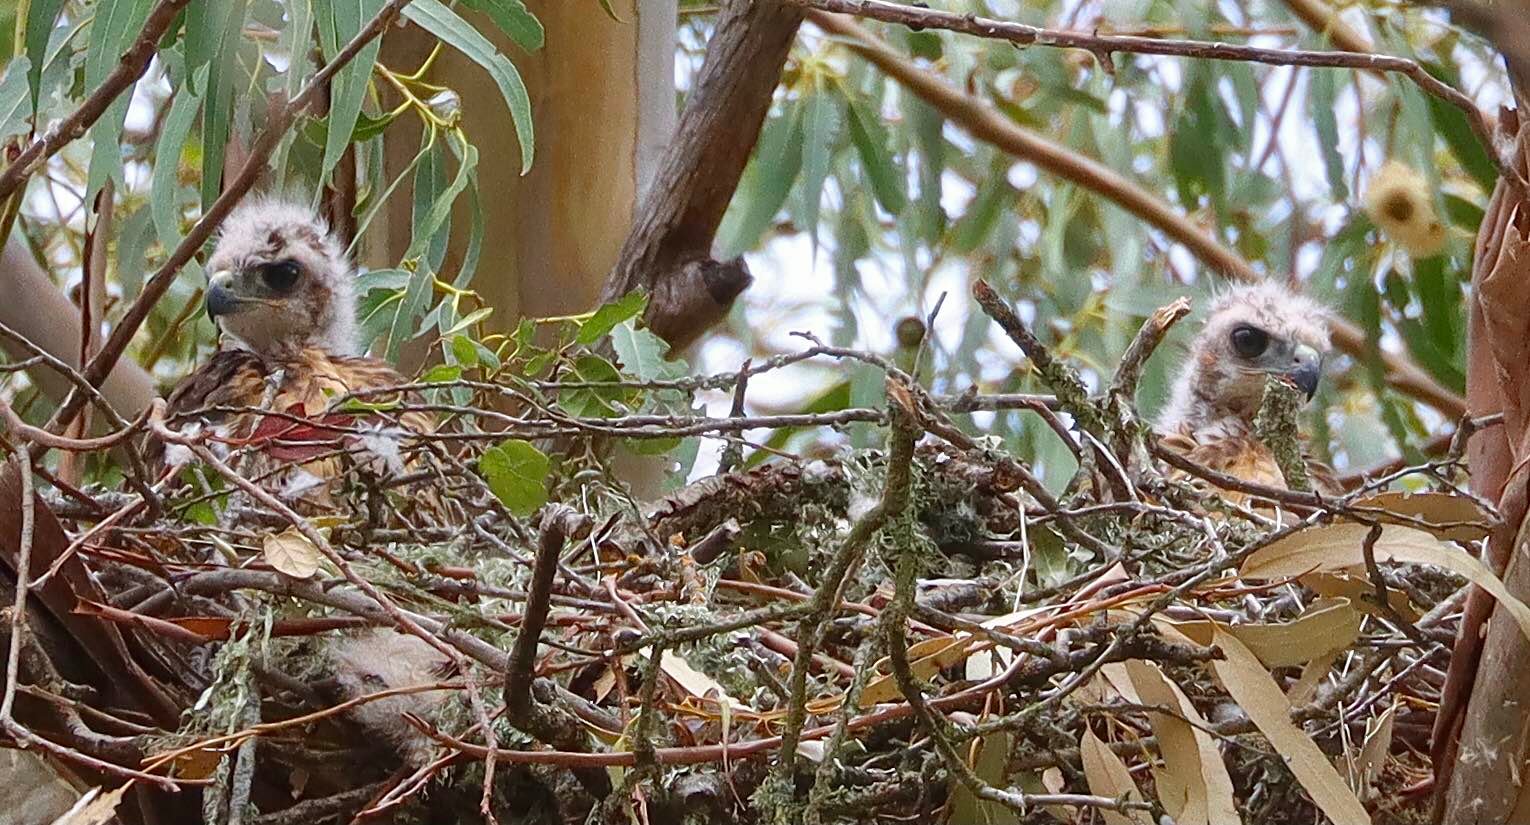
[
  {"x": 1252, "y": 331},
  {"x": 281, "y": 282},
  {"x": 384, "y": 659}
]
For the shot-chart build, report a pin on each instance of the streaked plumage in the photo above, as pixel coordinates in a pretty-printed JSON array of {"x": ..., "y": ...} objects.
[
  {"x": 283, "y": 294},
  {"x": 1251, "y": 332}
]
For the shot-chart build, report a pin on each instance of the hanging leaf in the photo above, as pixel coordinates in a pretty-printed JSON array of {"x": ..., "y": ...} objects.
[
  {"x": 516, "y": 473},
  {"x": 444, "y": 23}
]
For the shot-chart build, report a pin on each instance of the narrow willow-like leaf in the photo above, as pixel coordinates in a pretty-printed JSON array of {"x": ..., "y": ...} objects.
[
  {"x": 870, "y": 140},
  {"x": 41, "y": 16},
  {"x": 165, "y": 205},
  {"x": 444, "y": 23},
  {"x": 1322, "y": 95},
  {"x": 514, "y": 19},
  {"x": 213, "y": 30},
  {"x": 15, "y": 102},
  {"x": 116, "y": 23},
  {"x": 339, "y": 21}
]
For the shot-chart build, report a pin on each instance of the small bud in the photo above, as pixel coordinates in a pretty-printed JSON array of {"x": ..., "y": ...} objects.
[
  {"x": 910, "y": 332},
  {"x": 446, "y": 105}
]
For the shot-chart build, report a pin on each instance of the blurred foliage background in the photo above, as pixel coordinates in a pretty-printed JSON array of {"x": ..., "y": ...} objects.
[{"x": 863, "y": 205}]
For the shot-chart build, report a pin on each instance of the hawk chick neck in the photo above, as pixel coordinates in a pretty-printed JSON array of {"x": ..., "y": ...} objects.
[
  {"x": 282, "y": 282},
  {"x": 1218, "y": 388}
]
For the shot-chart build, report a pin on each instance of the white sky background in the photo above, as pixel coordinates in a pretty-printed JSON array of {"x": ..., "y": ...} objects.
[{"x": 794, "y": 288}]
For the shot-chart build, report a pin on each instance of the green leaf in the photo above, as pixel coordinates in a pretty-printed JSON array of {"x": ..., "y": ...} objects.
[
  {"x": 767, "y": 182},
  {"x": 468, "y": 320},
  {"x": 382, "y": 279},
  {"x": 213, "y": 32},
  {"x": 1322, "y": 95},
  {"x": 1451, "y": 124},
  {"x": 111, "y": 32},
  {"x": 339, "y": 21},
  {"x": 976, "y": 225},
  {"x": 445, "y": 24},
  {"x": 870, "y": 140},
  {"x": 642, "y": 354},
  {"x": 603, "y": 320},
  {"x": 14, "y": 108},
  {"x": 513, "y": 19},
  {"x": 820, "y": 129},
  {"x": 165, "y": 205},
  {"x": 592, "y": 402},
  {"x": 441, "y": 374},
  {"x": 41, "y": 17},
  {"x": 427, "y": 227},
  {"x": 516, "y": 473},
  {"x": 464, "y": 351}
]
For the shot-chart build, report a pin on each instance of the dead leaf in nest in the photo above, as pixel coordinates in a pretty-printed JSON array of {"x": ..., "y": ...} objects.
[
  {"x": 1107, "y": 776},
  {"x": 928, "y": 657},
  {"x": 693, "y": 682},
  {"x": 1193, "y": 784},
  {"x": 1326, "y": 627},
  {"x": 1251, "y": 686},
  {"x": 94, "y": 808},
  {"x": 1357, "y": 587},
  {"x": 1337, "y": 547},
  {"x": 1374, "y": 752},
  {"x": 1447, "y": 516},
  {"x": 291, "y": 553}
]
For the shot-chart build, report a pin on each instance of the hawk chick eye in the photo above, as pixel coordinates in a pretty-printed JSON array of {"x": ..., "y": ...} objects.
[
  {"x": 1250, "y": 342},
  {"x": 281, "y": 275}
]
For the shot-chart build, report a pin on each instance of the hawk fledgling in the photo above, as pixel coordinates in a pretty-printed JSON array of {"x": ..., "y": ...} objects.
[
  {"x": 1252, "y": 332},
  {"x": 283, "y": 293}
]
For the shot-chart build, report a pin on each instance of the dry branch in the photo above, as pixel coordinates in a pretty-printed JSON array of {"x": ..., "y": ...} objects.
[{"x": 669, "y": 251}]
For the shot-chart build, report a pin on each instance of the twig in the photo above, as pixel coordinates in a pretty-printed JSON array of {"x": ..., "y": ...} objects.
[
  {"x": 1102, "y": 46},
  {"x": 988, "y": 124}
]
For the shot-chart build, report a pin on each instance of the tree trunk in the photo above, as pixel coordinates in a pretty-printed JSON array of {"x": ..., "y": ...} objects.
[
  {"x": 1479, "y": 776},
  {"x": 603, "y": 101}
]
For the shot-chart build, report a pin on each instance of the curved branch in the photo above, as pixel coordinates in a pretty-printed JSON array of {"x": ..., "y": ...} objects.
[{"x": 986, "y": 123}]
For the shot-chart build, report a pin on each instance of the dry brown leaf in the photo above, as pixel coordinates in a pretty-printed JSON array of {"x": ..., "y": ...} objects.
[
  {"x": 1450, "y": 517},
  {"x": 1332, "y": 547},
  {"x": 1193, "y": 786},
  {"x": 1326, "y": 627},
  {"x": 94, "y": 808},
  {"x": 1250, "y": 685},
  {"x": 1107, "y": 776},
  {"x": 1373, "y": 753},
  {"x": 291, "y": 554},
  {"x": 1357, "y": 587},
  {"x": 1306, "y": 685},
  {"x": 694, "y": 682}
]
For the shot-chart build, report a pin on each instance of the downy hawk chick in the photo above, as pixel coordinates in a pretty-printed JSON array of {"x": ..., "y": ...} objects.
[
  {"x": 283, "y": 293},
  {"x": 1252, "y": 331}
]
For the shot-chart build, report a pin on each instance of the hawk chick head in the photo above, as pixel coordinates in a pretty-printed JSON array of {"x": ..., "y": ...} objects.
[
  {"x": 281, "y": 282},
  {"x": 1253, "y": 331}
]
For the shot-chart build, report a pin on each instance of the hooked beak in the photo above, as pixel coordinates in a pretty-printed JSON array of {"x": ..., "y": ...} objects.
[
  {"x": 1306, "y": 369},
  {"x": 221, "y": 298}
]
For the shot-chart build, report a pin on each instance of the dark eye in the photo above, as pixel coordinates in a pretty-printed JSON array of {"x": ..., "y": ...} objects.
[
  {"x": 1250, "y": 342},
  {"x": 280, "y": 276}
]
